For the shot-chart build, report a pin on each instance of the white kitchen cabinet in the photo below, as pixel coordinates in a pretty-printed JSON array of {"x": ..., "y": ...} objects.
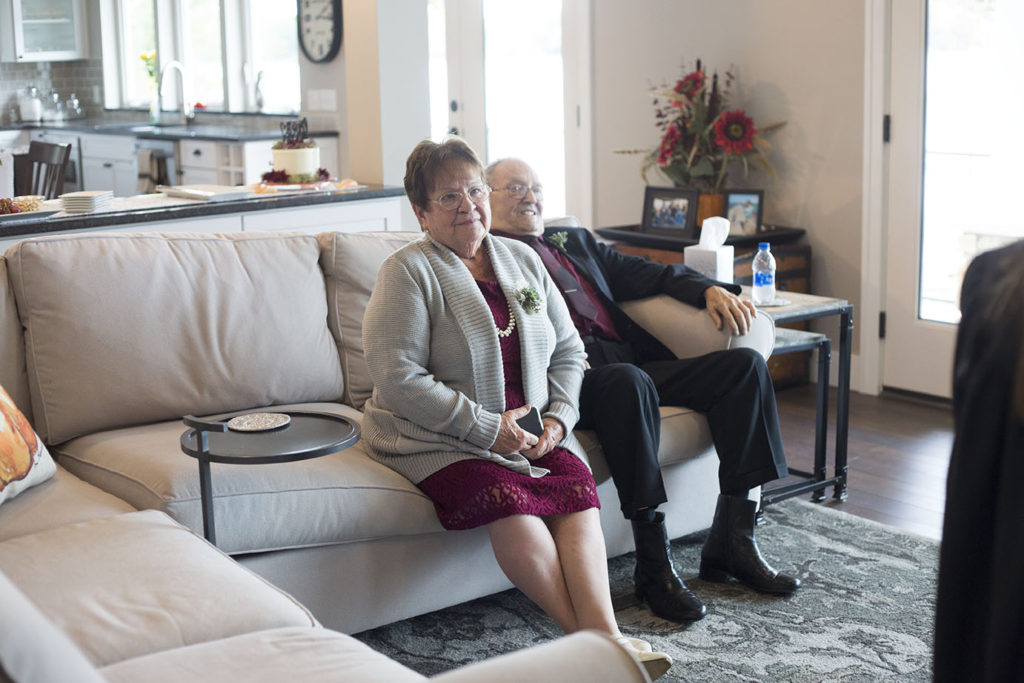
[
  {"x": 197, "y": 162},
  {"x": 205, "y": 162},
  {"x": 356, "y": 216},
  {"x": 42, "y": 30},
  {"x": 109, "y": 162}
]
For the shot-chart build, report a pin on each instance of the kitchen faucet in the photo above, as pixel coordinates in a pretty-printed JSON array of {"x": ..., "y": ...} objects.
[{"x": 188, "y": 112}]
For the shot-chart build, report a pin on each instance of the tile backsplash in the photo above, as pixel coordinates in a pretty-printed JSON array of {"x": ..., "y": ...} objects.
[{"x": 83, "y": 77}]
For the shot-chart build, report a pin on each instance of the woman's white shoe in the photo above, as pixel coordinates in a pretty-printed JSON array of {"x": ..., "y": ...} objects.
[
  {"x": 656, "y": 663},
  {"x": 639, "y": 645}
]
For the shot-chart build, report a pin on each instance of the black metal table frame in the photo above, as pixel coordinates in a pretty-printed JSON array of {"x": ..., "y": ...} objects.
[
  {"x": 202, "y": 428},
  {"x": 818, "y": 480}
]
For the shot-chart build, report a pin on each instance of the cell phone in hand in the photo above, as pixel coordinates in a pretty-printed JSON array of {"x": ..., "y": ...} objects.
[{"x": 531, "y": 422}]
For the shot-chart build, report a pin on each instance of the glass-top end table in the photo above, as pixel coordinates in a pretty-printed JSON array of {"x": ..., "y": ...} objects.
[
  {"x": 306, "y": 435},
  {"x": 808, "y": 307}
]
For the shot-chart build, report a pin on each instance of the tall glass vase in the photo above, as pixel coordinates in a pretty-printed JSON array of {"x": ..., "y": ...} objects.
[{"x": 154, "y": 105}]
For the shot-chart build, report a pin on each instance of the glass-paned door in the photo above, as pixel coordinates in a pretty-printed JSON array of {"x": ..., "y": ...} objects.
[
  {"x": 953, "y": 171},
  {"x": 504, "y": 86}
]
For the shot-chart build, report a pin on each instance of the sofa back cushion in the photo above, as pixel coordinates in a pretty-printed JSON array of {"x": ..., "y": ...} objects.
[
  {"x": 350, "y": 262},
  {"x": 12, "y": 347},
  {"x": 123, "y": 329}
]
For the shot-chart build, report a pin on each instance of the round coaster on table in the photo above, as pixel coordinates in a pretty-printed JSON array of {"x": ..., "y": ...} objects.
[{"x": 258, "y": 422}]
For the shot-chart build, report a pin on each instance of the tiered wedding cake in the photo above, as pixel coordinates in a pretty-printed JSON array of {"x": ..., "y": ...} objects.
[{"x": 296, "y": 157}]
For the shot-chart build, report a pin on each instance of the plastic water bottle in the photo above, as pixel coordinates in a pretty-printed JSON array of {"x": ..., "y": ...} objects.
[{"x": 764, "y": 275}]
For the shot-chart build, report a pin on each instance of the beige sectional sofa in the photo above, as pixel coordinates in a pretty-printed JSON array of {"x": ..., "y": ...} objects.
[{"x": 107, "y": 340}]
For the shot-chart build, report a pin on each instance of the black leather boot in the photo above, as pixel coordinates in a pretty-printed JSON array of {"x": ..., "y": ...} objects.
[
  {"x": 731, "y": 551},
  {"x": 656, "y": 580}
]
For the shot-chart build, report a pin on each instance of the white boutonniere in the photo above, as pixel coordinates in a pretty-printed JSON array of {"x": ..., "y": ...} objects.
[
  {"x": 558, "y": 239},
  {"x": 529, "y": 298}
]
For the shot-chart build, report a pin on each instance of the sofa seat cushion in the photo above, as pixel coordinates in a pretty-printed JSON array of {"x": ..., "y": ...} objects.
[
  {"x": 63, "y": 499},
  {"x": 285, "y": 654},
  {"x": 338, "y": 498},
  {"x": 123, "y": 329},
  {"x": 138, "y": 583},
  {"x": 685, "y": 435}
]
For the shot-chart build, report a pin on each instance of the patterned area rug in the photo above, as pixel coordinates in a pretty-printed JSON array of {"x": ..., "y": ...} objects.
[{"x": 865, "y": 612}]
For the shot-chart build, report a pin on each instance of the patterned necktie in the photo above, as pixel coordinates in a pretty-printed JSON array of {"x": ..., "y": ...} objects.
[{"x": 566, "y": 281}]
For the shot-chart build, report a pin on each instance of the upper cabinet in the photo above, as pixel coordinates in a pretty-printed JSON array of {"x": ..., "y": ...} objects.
[{"x": 42, "y": 30}]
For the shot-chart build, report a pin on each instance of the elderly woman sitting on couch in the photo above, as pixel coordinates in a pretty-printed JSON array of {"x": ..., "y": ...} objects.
[{"x": 464, "y": 333}]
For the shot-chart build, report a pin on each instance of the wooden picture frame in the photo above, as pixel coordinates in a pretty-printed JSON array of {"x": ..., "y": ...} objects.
[
  {"x": 670, "y": 211},
  {"x": 745, "y": 211}
]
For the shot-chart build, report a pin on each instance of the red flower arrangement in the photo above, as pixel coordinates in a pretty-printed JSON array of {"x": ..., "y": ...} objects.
[
  {"x": 700, "y": 136},
  {"x": 734, "y": 132}
]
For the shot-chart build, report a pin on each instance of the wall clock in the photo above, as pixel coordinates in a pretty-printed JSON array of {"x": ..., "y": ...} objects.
[{"x": 320, "y": 29}]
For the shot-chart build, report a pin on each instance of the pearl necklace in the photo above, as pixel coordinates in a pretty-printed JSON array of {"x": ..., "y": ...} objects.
[{"x": 511, "y": 324}]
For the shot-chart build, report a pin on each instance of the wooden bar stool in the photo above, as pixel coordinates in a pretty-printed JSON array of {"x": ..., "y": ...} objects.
[{"x": 46, "y": 162}]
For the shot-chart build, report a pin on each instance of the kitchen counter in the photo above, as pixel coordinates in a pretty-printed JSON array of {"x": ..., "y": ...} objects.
[
  {"x": 138, "y": 211},
  {"x": 222, "y": 132}
]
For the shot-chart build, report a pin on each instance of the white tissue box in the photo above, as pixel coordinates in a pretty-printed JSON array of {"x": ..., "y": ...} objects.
[{"x": 716, "y": 264}]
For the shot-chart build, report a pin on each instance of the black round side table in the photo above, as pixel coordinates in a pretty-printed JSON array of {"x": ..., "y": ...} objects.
[{"x": 307, "y": 435}]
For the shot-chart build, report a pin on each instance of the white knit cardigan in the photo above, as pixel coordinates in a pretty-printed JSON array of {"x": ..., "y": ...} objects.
[{"x": 433, "y": 355}]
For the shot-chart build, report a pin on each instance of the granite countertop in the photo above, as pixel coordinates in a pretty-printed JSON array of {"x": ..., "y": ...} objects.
[
  {"x": 147, "y": 208},
  {"x": 224, "y": 132}
]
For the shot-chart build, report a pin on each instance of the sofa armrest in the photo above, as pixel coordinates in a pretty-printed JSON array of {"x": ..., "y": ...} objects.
[
  {"x": 585, "y": 656},
  {"x": 32, "y": 649},
  {"x": 689, "y": 331}
]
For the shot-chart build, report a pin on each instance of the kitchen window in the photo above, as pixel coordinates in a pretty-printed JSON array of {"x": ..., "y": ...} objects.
[{"x": 238, "y": 55}]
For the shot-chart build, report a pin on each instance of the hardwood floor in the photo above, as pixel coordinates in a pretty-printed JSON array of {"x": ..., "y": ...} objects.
[{"x": 898, "y": 455}]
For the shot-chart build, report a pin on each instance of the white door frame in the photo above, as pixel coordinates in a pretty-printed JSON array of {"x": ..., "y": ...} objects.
[
  {"x": 867, "y": 377},
  {"x": 917, "y": 354}
]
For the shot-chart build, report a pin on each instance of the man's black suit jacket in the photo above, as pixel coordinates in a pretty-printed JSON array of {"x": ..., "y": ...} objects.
[{"x": 621, "y": 277}]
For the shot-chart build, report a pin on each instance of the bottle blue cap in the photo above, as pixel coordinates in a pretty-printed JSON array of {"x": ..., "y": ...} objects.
[{"x": 763, "y": 245}]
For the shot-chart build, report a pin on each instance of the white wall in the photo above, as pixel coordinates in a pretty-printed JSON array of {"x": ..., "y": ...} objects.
[
  {"x": 375, "y": 93},
  {"x": 799, "y": 61}
]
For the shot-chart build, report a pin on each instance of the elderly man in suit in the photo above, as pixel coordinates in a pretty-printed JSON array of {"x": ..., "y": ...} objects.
[{"x": 631, "y": 374}]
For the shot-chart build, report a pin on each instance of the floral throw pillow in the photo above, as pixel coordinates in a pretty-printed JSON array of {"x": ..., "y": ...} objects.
[{"x": 24, "y": 460}]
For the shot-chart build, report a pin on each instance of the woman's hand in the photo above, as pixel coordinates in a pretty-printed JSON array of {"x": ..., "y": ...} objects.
[
  {"x": 511, "y": 437},
  {"x": 553, "y": 434}
]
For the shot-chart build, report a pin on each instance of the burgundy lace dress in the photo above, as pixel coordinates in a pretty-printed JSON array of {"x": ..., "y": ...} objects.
[{"x": 472, "y": 493}]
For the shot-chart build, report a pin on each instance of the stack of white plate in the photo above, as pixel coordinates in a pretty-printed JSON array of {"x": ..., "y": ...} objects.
[{"x": 86, "y": 201}]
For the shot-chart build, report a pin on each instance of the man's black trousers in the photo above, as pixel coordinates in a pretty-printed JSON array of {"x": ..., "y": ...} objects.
[{"x": 619, "y": 401}]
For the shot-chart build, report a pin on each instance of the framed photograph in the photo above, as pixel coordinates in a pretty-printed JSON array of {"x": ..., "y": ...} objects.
[
  {"x": 670, "y": 211},
  {"x": 744, "y": 209}
]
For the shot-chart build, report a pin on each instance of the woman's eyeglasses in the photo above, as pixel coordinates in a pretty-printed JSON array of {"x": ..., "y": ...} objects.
[
  {"x": 517, "y": 191},
  {"x": 477, "y": 194}
]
